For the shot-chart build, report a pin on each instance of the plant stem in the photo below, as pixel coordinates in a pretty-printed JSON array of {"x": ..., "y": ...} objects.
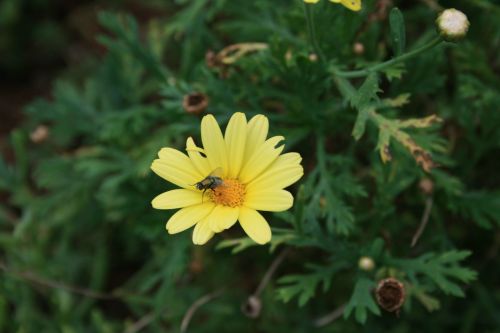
[
  {"x": 375, "y": 68},
  {"x": 311, "y": 29}
]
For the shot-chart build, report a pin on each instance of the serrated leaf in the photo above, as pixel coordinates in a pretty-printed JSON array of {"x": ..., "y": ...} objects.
[
  {"x": 367, "y": 92},
  {"x": 237, "y": 245},
  {"x": 397, "y": 102},
  {"x": 361, "y": 301},
  {"x": 482, "y": 207},
  {"x": 395, "y": 71},
  {"x": 360, "y": 124},
  {"x": 442, "y": 269},
  {"x": 429, "y": 302},
  {"x": 303, "y": 286},
  {"x": 361, "y": 101}
]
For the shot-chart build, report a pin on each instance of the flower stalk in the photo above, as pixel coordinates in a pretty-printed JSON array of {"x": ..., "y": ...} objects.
[
  {"x": 311, "y": 29},
  {"x": 379, "y": 67}
]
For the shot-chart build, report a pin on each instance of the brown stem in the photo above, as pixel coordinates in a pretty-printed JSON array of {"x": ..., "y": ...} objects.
[
  {"x": 423, "y": 223},
  {"x": 199, "y": 302},
  {"x": 330, "y": 317},
  {"x": 252, "y": 306}
]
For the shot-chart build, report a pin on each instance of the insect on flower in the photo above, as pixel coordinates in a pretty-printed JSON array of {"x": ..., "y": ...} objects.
[{"x": 210, "y": 182}]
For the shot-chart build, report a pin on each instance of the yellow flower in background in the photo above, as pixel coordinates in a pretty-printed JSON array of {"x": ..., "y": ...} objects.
[
  {"x": 354, "y": 5},
  {"x": 228, "y": 180}
]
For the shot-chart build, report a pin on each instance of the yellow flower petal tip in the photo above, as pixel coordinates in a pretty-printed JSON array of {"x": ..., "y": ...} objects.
[
  {"x": 229, "y": 178},
  {"x": 354, "y": 5}
]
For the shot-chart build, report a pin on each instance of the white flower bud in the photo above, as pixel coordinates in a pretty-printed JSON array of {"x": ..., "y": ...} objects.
[
  {"x": 452, "y": 24},
  {"x": 366, "y": 264}
]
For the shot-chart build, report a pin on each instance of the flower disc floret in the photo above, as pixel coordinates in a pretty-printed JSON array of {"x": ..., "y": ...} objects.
[{"x": 231, "y": 193}]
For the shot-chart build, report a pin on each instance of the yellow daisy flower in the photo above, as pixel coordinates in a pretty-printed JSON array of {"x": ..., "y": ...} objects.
[
  {"x": 354, "y": 5},
  {"x": 251, "y": 177}
]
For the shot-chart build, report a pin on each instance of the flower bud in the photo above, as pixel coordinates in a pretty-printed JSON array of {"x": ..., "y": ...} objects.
[
  {"x": 366, "y": 264},
  {"x": 313, "y": 57},
  {"x": 452, "y": 24},
  {"x": 40, "y": 134},
  {"x": 358, "y": 48}
]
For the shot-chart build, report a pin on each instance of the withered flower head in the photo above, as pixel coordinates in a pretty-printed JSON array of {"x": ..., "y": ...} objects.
[
  {"x": 195, "y": 103},
  {"x": 390, "y": 294}
]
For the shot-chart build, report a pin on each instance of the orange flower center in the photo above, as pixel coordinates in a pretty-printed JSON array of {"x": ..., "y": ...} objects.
[{"x": 231, "y": 193}]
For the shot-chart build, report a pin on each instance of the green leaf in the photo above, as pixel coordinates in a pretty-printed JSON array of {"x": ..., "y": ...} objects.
[
  {"x": 482, "y": 207},
  {"x": 238, "y": 244},
  {"x": 303, "y": 286},
  {"x": 367, "y": 92},
  {"x": 361, "y": 301},
  {"x": 398, "y": 33},
  {"x": 429, "y": 302},
  {"x": 441, "y": 269},
  {"x": 362, "y": 101},
  {"x": 360, "y": 124}
]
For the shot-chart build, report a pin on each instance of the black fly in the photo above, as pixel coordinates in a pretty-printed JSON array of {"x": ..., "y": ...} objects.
[{"x": 212, "y": 181}]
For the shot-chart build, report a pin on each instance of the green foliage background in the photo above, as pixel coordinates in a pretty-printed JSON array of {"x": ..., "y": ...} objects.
[{"x": 83, "y": 251}]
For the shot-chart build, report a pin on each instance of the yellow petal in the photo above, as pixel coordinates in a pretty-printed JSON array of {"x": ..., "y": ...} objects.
[
  {"x": 176, "y": 199},
  {"x": 201, "y": 163},
  {"x": 269, "y": 200},
  {"x": 311, "y": 1},
  {"x": 213, "y": 143},
  {"x": 257, "y": 130},
  {"x": 354, "y": 5},
  {"x": 187, "y": 217},
  {"x": 202, "y": 232},
  {"x": 235, "y": 137},
  {"x": 263, "y": 156},
  {"x": 285, "y": 171},
  {"x": 223, "y": 217},
  {"x": 176, "y": 168},
  {"x": 255, "y": 225}
]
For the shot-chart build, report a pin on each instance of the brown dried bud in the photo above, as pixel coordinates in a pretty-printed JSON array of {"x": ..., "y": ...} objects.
[
  {"x": 211, "y": 59},
  {"x": 358, "y": 48},
  {"x": 390, "y": 294},
  {"x": 40, "y": 134},
  {"x": 251, "y": 308},
  {"x": 195, "y": 103},
  {"x": 426, "y": 186}
]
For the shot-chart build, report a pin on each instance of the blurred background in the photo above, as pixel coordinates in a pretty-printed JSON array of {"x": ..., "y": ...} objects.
[{"x": 91, "y": 90}]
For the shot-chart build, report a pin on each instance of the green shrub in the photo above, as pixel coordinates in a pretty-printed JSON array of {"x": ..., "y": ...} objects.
[{"x": 386, "y": 145}]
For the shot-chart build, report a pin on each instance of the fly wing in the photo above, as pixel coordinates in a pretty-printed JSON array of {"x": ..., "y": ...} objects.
[{"x": 217, "y": 173}]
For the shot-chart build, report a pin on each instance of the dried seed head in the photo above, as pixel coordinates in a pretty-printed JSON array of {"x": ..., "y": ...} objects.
[
  {"x": 426, "y": 186},
  {"x": 251, "y": 308},
  {"x": 390, "y": 294},
  {"x": 452, "y": 24},
  {"x": 195, "y": 103},
  {"x": 211, "y": 59},
  {"x": 366, "y": 264}
]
